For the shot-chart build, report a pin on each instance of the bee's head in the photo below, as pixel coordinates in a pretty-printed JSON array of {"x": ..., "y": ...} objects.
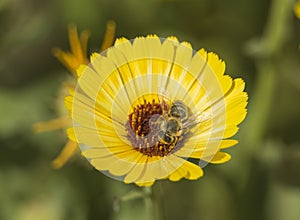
[{"x": 165, "y": 137}]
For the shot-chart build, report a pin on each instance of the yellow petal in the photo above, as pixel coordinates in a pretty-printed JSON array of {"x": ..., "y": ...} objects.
[
  {"x": 71, "y": 134},
  {"x": 67, "y": 152},
  {"x": 109, "y": 35},
  {"x": 220, "y": 157},
  {"x": 194, "y": 171},
  {"x": 75, "y": 43},
  {"x": 145, "y": 184},
  {"x": 195, "y": 150},
  {"x": 84, "y": 37},
  {"x": 117, "y": 164},
  {"x": 178, "y": 174},
  {"x": 90, "y": 83},
  {"x": 137, "y": 171},
  {"x": 67, "y": 59},
  {"x": 188, "y": 170},
  {"x": 53, "y": 124}
]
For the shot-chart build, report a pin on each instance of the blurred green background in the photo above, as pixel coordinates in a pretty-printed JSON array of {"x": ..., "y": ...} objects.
[{"x": 258, "y": 40}]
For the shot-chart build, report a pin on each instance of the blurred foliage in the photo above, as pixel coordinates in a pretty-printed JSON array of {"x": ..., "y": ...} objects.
[{"x": 266, "y": 186}]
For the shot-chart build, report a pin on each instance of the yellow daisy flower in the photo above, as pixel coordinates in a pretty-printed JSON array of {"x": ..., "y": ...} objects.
[
  {"x": 297, "y": 9},
  {"x": 147, "y": 109},
  {"x": 72, "y": 60}
]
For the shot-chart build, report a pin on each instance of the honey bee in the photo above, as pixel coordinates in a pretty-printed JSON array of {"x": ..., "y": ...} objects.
[{"x": 169, "y": 127}]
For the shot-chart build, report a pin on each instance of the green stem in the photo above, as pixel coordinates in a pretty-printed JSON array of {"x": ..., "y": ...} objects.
[
  {"x": 260, "y": 106},
  {"x": 153, "y": 202},
  {"x": 158, "y": 201},
  {"x": 148, "y": 202},
  {"x": 267, "y": 51},
  {"x": 274, "y": 38}
]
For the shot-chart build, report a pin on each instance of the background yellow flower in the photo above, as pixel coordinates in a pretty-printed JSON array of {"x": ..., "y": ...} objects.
[
  {"x": 72, "y": 60},
  {"x": 297, "y": 9}
]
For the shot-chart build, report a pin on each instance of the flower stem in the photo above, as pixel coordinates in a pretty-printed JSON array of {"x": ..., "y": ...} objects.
[
  {"x": 275, "y": 36},
  {"x": 151, "y": 198},
  {"x": 153, "y": 202},
  {"x": 267, "y": 51},
  {"x": 149, "y": 206},
  {"x": 158, "y": 201}
]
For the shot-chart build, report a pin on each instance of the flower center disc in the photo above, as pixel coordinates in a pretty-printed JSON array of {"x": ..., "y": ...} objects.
[{"x": 148, "y": 129}]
